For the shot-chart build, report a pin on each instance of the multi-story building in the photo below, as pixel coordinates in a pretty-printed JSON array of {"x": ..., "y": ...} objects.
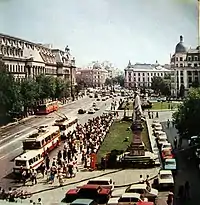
[
  {"x": 94, "y": 76},
  {"x": 26, "y": 59},
  {"x": 186, "y": 65},
  {"x": 140, "y": 75}
]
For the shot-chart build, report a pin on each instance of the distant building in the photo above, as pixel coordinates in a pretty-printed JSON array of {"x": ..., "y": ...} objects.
[
  {"x": 25, "y": 59},
  {"x": 94, "y": 76},
  {"x": 186, "y": 64},
  {"x": 140, "y": 75}
]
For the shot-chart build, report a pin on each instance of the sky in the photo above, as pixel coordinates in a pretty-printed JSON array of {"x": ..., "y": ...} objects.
[{"x": 142, "y": 31}]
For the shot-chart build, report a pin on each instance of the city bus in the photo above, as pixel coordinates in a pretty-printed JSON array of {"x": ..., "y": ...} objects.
[
  {"x": 47, "y": 108},
  {"x": 46, "y": 138},
  {"x": 66, "y": 125},
  {"x": 28, "y": 160}
]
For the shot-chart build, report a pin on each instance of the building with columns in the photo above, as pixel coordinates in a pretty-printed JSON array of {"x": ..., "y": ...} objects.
[
  {"x": 26, "y": 59},
  {"x": 140, "y": 75},
  {"x": 186, "y": 65}
]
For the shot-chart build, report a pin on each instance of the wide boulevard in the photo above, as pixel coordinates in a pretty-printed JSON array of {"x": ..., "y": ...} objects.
[{"x": 11, "y": 138}]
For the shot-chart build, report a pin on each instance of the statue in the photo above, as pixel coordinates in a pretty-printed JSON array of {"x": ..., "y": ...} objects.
[
  {"x": 137, "y": 108},
  {"x": 67, "y": 50}
]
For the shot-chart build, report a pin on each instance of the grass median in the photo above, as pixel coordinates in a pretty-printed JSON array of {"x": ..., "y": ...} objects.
[{"x": 115, "y": 139}]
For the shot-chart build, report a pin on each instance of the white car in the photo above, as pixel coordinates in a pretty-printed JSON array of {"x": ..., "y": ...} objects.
[
  {"x": 158, "y": 133},
  {"x": 165, "y": 179},
  {"x": 91, "y": 111},
  {"x": 166, "y": 146},
  {"x": 158, "y": 128},
  {"x": 151, "y": 194},
  {"x": 162, "y": 139},
  {"x": 126, "y": 198},
  {"x": 96, "y": 108},
  {"x": 104, "y": 182},
  {"x": 155, "y": 123}
]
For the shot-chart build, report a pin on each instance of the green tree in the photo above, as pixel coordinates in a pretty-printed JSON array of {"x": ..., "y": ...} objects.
[
  {"x": 46, "y": 86},
  {"x": 195, "y": 84},
  {"x": 187, "y": 117},
  {"x": 29, "y": 93},
  {"x": 108, "y": 81},
  {"x": 161, "y": 85},
  {"x": 62, "y": 89},
  {"x": 120, "y": 80},
  {"x": 10, "y": 97}
]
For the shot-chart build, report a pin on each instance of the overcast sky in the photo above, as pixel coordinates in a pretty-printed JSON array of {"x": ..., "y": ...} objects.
[{"x": 115, "y": 30}]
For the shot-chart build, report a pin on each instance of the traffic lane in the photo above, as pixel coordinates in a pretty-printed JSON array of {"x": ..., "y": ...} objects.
[
  {"x": 187, "y": 171},
  {"x": 37, "y": 119},
  {"x": 16, "y": 142},
  {"x": 27, "y": 127},
  {"x": 7, "y": 159}
]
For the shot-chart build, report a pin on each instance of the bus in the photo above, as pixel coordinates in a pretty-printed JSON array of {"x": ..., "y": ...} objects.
[
  {"x": 28, "y": 160},
  {"x": 47, "y": 138},
  {"x": 47, "y": 108},
  {"x": 66, "y": 125}
]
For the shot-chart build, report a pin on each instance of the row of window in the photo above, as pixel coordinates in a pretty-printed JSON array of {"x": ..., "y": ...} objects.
[
  {"x": 7, "y": 51},
  {"x": 188, "y": 73},
  {"x": 139, "y": 84},
  {"x": 188, "y": 65},
  {"x": 148, "y": 74},
  {"x": 139, "y": 79}
]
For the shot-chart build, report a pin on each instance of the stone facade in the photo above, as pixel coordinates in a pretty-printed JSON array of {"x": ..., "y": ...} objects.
[
  {"x": 140, "y": 75},
  {"x": 186, "y": 65},
  {"x": 26, "y": 59}
]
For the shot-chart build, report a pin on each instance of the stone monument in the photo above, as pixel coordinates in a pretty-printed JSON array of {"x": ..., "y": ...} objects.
[{"x": 137, "y": 146}]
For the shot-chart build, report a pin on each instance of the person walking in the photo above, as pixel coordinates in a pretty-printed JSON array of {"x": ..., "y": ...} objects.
[
  {"x": 187, "y": 190},
  {"x": 175, "y": 142}
]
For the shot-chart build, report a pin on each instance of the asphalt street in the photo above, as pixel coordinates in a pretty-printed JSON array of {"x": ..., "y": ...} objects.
[
  {"x": 187, "y": 169},
  {"x": 11, "y": 138}
]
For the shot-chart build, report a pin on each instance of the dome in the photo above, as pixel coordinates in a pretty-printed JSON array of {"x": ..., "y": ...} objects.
[{"x": 180, "y": 48}]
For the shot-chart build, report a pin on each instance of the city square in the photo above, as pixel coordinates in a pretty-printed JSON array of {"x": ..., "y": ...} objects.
[{"x": 100, "y": 107}]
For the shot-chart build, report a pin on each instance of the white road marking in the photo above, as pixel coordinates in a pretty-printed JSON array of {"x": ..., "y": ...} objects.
[{"x": 6, "y": 155}]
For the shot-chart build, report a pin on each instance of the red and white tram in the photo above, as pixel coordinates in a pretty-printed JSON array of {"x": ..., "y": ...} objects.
[{"x": 47, "y": 138}]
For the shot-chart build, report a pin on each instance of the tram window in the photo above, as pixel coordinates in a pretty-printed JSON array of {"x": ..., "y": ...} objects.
[
  {"x": 43, "y": 142},
  {"x": 47, "y": 138}
]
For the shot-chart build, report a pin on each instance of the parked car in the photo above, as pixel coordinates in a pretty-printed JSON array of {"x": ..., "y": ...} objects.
[
  {"x": 165, "y": 179},
  {"x": 91, "y": 111},
  {"x": 161, "y": 140},
  {"x": 194, "y": 140},
  {"x": 88, "y": 191},
  {"x": 84, "y": 202},
  {"x": 81, "y": 111},
  {"x": 167, "y": 154},
  {"x": 104, "y": 182},
  {"x": 166, "y": 146},
  {"x": 126, "y": 198},
  {"x": 151, "y": 194},
  {"x": 170, "y": 164},
  {"x": 94, "y": 104},
  {"x": 158, "y": 127}
]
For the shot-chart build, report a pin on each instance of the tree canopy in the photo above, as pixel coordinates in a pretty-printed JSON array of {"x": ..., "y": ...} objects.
[
  {"x": 17, "y": 97},
  {"x": 161, "y": 85},
  {"x": 187, "y": 117}
]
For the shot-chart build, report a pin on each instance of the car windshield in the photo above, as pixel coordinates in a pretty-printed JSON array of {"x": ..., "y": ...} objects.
[
  {"x": 169, "y": 162},
  {"x": 20, "y": 163},
  {"x": 132, "y": 199},
  {"x": 165, "y": 176},
  {"x": 139, "y": 191}
]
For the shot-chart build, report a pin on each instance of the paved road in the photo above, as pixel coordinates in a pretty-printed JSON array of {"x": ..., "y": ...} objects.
[{"x": 12, "y": 144}]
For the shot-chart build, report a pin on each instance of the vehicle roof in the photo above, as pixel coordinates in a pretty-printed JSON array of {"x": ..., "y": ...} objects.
[
  {"x": 165, "y": 172},
  {"x": 170, "y": 160},
  {"x": 138, "y": 186},
  {"x": 193, "y": 137},
  {"x": 65, "y": 122},
  {"x": 129, "y": 195},
  {"x": 28, "y": 155},
  {"x": 162, "y": 137},
  {"x": 43, "y": 134},
  {"x": 82, "y": 201},
  {"x": 166, "y": 143},
  {"x": 101, "y": 179},
  {"x": 90, "y": 186}
]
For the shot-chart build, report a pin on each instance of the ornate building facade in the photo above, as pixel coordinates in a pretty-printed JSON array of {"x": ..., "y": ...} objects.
[
  {"x": 140, "y": 75},
  {"x": 26, "y": 59},
  {"x": 186, "y": 65}
]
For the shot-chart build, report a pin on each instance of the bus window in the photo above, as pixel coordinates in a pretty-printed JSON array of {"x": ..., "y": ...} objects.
[
  {"x": 47, "y": 138},
  {"x": 43, "y": 142},
  {"x": 20, "y": 163},
  {"x": 31, "y": 145}
]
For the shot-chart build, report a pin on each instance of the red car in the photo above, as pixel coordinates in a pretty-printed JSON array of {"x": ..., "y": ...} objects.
[
  {"x": 167, "y": 154},
  {"x": 89, "y": 191}
]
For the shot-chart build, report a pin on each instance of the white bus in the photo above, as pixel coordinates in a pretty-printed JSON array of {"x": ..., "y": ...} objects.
[
  {"x": 66, "y": 125},
  {"x": 29, "y": 160},
  {"x": 47, "y": 138}
]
